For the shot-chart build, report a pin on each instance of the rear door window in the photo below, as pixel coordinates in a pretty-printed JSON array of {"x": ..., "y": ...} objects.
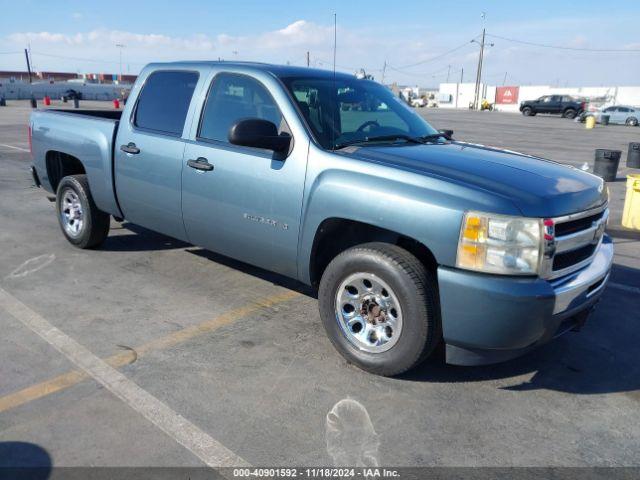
[{"x": 164, "y": 101}]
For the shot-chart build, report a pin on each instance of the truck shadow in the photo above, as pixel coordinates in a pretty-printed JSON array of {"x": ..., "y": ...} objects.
[
  {"x": 22, "y": 460},
  {"x": 140, "y": 240},
  {"x": 602, "y": 358}
]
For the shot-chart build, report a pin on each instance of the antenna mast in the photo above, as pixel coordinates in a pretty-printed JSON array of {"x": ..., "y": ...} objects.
[{"x": 335, "y": 91}]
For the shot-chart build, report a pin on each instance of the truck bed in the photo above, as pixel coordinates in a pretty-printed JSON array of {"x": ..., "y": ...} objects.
[
  {"x": 106, "y": 114},
  {"x": 83, "y": 134}
]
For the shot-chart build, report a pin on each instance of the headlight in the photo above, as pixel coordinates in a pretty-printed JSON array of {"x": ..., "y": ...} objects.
[{"x": 499, "y": 244}]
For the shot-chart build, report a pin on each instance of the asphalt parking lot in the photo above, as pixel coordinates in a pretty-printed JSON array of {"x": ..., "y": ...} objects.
[{"x": 240, "y": 355}]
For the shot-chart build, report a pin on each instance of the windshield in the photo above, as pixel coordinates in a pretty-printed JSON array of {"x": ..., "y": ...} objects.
[{"x": 347, "y": 111}]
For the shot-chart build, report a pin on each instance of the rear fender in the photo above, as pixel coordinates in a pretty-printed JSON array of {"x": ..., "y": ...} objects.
[{"x": 90, "y": 140}]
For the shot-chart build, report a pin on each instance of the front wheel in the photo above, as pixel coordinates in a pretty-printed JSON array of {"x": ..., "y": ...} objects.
[
  {"x": 527, "y": 112},
  {"x": 379, "y": 307},
  {"x": 80, "y": 220},
  {"x": 632, "y": 122}
]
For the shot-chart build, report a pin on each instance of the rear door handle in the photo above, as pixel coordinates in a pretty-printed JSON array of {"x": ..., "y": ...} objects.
[
  {"x": 130, "y": 148},
  {"x": 200, "y": 163}
]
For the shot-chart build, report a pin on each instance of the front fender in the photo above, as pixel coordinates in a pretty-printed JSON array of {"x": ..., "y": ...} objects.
[
  {"x": 425, "y": 208},
  {"x": 384, "y": 203}
]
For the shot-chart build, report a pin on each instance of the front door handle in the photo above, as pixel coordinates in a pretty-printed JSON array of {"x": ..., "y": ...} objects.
[
  {"x": 130, "y": 148},
  {"x": 200, "y": 163}
]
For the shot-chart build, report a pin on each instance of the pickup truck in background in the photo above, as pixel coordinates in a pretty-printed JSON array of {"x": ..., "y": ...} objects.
[
  {"x": 411, "y": 238},
  {"x": 564, "y": 105}
]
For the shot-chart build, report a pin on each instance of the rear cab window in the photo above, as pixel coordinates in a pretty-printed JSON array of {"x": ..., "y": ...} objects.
[{"x": 164, "y": 101}]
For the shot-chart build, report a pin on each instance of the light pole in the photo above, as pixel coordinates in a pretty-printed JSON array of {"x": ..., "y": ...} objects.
[
  {"x": 120, "y": 46},
  {"x": 479, "y": 73}
]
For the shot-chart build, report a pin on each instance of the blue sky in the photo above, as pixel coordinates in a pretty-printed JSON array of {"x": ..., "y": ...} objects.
[{"x": 413, "y": 37}]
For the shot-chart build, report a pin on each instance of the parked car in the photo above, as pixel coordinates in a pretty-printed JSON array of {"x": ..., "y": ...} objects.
[
  {"x": 71, "y": 94},
  {"x": 618, "y": 114},
  {"x": 419, "y": 102},
  {"x": 412, "y": 239},
  {"x": 565, "y": 105}
]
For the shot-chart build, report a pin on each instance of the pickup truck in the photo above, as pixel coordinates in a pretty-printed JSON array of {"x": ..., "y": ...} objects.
[
  {"x": 412, "y": 239},
  {"x": 564, "y": 105}
]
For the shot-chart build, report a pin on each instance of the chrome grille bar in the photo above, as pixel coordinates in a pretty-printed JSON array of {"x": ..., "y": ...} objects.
[{"x": 592, "y": 235}]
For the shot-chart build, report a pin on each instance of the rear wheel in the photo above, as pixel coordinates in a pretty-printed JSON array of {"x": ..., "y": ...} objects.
[
  {"x": 569, "y": 113},
  {"x": 632, "y": 122},
  {"x": 379, "y": 307},
  {"x": 80, "y": 220}
]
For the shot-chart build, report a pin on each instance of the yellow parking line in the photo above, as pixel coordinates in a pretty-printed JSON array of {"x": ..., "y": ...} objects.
[{"x": 121, "y": 359}]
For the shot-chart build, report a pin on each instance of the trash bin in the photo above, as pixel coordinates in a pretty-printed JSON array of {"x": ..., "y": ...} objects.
[
  {"x": 606, "y": 164},
  {"x": 631, "y": 212},
  {"x": 633, "y": 155},
  {"x": 604, "y": 120},
  {"x": 590, "y": 121}
]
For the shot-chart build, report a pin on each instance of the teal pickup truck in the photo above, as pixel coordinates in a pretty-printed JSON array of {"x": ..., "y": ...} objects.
[{"x": 411, "y": 238}]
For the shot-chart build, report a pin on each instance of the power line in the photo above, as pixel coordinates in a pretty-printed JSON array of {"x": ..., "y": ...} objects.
[
  {"x": 436, "y": 57},
  {"x": 434, "y": 73},
  {"x": 559, "y": 47},
  {"x": 82, "y": 59}
]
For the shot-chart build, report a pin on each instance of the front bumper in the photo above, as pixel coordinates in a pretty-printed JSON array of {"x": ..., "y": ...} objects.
[{"x": 488, "y": 318}]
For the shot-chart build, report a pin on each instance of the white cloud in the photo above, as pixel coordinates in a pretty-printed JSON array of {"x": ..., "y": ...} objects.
[{"x": 95, "y": 51}]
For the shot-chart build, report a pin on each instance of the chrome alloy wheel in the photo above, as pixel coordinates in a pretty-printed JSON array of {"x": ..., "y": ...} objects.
[
  {"x": 71, "y": 213},
  {"x": 368, "y": 312}
]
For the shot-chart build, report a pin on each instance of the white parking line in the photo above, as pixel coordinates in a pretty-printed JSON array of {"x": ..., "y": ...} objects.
[
  {"x": 15, "y": 148},
  {"x": 626, "y": 288},
  {"x": 209, "y": 450}
]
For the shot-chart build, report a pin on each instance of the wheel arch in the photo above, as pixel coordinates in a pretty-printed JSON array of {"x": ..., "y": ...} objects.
[
  {"x": 60, "y": 165},
  {"x": 335, "y": 235}
]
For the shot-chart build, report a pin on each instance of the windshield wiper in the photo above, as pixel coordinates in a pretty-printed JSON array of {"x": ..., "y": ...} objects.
[
  {"x": 436, "y": 136},
  {"x": 380, "y": 138}
]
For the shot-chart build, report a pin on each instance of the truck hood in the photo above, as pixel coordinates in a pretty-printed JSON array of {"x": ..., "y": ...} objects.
[{"x": 538, "y": 187}]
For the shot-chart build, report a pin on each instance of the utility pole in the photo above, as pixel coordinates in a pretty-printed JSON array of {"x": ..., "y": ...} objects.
[
  {"x": 505, "y": 78},
  {"x": 26, "y": 55},
  {"x": 308, "y": 59},
  {"x": 479, "y": 74},
  {"x": 120, "y": 46},
  {"x": 448, "y": 72},
  {"x": 461, "y": 74},
  {"x": 384, "y": 69}
]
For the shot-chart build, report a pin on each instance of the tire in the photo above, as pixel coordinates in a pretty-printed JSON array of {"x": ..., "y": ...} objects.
[
  {"x": 527, "y": 112},
  {"x": 569, "y": 113},
  {"x": 413, "y": 294},
  {"x": 81, "y": 222},
  {"x": 632, "y": 122}
]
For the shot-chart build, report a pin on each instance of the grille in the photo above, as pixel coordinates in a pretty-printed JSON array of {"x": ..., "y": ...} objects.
[
  {"x": 567, "y": 259},
  {"x": 574, "y": 226}
]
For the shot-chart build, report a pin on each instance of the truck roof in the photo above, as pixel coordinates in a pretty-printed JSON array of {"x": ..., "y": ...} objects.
[{"x": 276, "y": 70}]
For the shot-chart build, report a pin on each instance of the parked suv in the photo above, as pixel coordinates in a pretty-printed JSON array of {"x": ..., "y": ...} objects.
[
  {"x": 565, "y": 105},
  {"x": 71, "y": 94}
]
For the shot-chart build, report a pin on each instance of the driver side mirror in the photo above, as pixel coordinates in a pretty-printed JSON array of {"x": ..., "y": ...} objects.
[
  {"x": 446, "y": 133},
  {"x": 259, "y": 133}
]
